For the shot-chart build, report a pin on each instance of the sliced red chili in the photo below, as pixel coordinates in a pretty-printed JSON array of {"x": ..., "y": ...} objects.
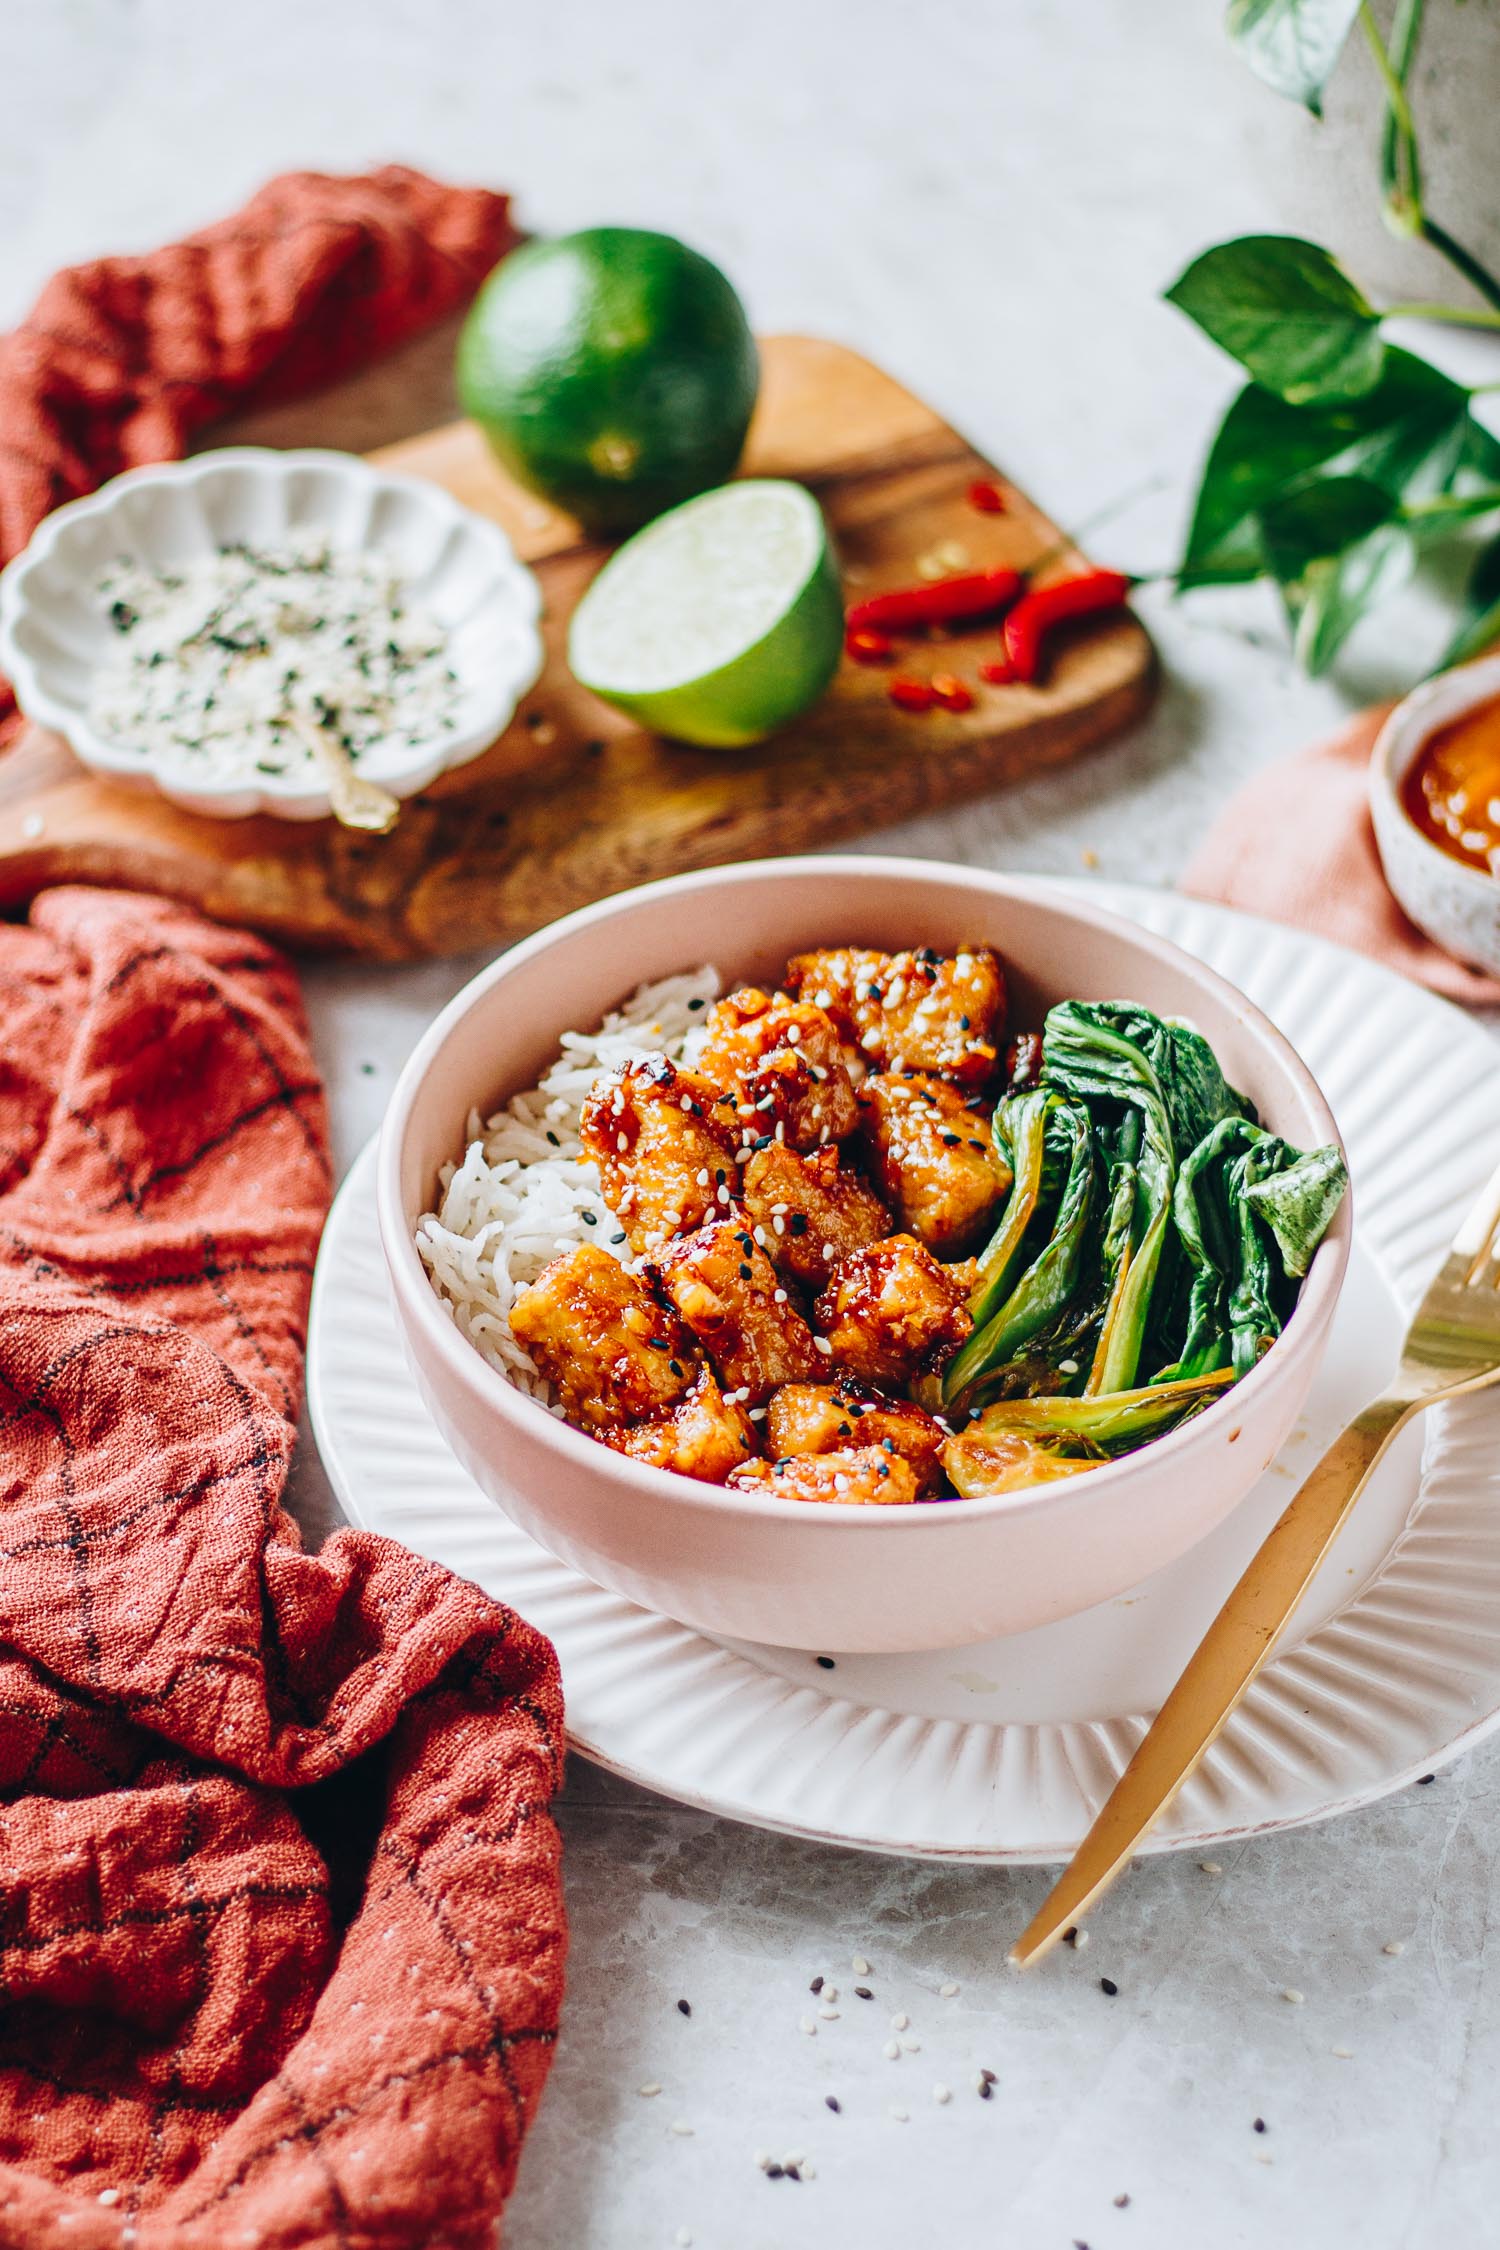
[
  {"x": 998, "y": 674},
  {"x": 1037, "y": 612},
  {"x": 911, "y": 695},
  {"x": 987, "y": 497},
  {"x": 943, "y": 601},
  {"x": 868, "y": 647},
  {"x": 951, "y": 692}
]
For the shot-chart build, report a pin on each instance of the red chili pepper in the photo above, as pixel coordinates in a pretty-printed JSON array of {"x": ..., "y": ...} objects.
[
  {"x": 1045, "y": 606},
  {"x": 941, "y": 602},
  {"x": 987, "y": 498},
  {"x": 866, "y": 647},
  {"x": 998, "y": 674},
  {"x": 911, "y": 695},
  {"x": 951, "y": 692}
]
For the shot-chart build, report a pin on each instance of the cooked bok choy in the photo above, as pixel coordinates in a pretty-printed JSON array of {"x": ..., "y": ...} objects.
[{"x": 1149, "y": 1251}]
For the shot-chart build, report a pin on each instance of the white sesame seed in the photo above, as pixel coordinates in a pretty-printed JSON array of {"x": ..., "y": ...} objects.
[
  {"x": 757, "y": 1413},
  {"x": 942, "y": 2094},
  {"x": 1290, "y": 1993},
  {"x": 760, "y": 1236},
  {"x": 859, "y": 1965},
  {"x": 797, "y": 2157},
  {"x": 829, "y": 1253},
  {"x": 683, "y": 2238},
  {"x": 980, "y": 2081},
  {"x": 823, "y": 1345},
  {"x": 901, "y": 2115},
  {"x": 830, "y": 1993},
  {"x": 900, "y": 2021},
  {"x": 1210, "y": 1867},
  {"x": 723, "y": 1195},
  {"x": 109, "y": 2195},
  {"x": 871, "y": 1040},
  {"x": 911, "y": 2046},
  {"x": 822, "y": 999},
  {"x": 621, "y": 1143},
  {"x": 685, "y": 1103},
  {"x": 764, "y": 2159},
  {"x": 892, "y": 2050},
  {"x": 703, "y": 1177},
  {"x": 779, "y": 1297},
  {"x": 806, "y": 2024},
  {"x": 1396, "y": 1946},
  {"x": 829, "y": 2015},
  {"x": 1345, "y": 2054},
  {"x": 948, "y": 1991},
  {"x": 808, "y": 2172},
  {"x": 681, "y": 2126},
  {"x": 1067, "y": 1367},
  {"x": 1080, "y": 1941},
  {"x": 778, "y": 1225},
  {"x": 653, "y": 2086},
  {"x": 32, "y": 827},
  {"x": 793, "y": 1034}
]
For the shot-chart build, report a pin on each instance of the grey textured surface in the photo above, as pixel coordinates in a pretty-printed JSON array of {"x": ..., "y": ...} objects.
[{"x": 988, "y": 198}]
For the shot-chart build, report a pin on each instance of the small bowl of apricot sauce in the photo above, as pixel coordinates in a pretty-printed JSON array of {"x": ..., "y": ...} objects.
[{"x": 1435, "y": 802}]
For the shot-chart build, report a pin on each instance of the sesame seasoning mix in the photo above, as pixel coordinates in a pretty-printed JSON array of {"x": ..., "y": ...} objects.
[{"x": 223, "y": 662}]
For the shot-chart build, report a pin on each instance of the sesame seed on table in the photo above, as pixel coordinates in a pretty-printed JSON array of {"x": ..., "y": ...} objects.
[{"x": 910, "y": 199}]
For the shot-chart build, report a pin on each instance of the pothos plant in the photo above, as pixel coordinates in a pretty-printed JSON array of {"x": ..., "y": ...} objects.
[{"x": 1344, "y": 456}]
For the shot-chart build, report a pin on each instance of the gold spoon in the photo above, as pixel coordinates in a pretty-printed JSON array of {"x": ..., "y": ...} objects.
[{"x": 356, "y": 801}]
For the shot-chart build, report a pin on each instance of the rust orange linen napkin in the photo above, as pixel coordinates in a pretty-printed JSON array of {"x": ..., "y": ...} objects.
[
  {"x": 281, "y": 1933},
  {"x": 1297, "y": 845},
  {"x": 121, "y": 361}
]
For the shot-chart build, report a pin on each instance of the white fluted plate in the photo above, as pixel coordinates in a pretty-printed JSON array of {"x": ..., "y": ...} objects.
[{"x": 1003, "y": 1753}]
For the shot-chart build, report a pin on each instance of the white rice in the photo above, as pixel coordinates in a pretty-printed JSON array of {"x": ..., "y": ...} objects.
[{"x": 524, "y": 1193}]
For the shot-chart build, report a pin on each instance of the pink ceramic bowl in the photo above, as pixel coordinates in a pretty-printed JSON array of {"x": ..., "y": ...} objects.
[{"x": 806, "y": 1576}]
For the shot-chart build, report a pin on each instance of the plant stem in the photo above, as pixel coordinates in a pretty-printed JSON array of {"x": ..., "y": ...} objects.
[
  {"x": 1459, "y": 504},
  {"x": 1463, "y": 316},
  {"x": 1463, "y": 261}
]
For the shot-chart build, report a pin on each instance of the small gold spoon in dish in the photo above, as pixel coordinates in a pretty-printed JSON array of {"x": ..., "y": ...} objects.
[{"x": 356, "y": 801}]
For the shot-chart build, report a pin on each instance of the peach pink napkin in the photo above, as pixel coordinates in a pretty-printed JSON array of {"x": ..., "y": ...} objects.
[{"x": 1297, "y": 845}]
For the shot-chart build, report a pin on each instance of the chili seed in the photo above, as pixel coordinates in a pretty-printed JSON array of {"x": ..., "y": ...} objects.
[
  {"x": 997, "y": 674},
  {"x": 866, "y": 646},
  {"x": 951, "y": 693}
]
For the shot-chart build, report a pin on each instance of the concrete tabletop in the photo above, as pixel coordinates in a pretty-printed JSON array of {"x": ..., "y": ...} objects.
[{"x": 988, "y": 199}]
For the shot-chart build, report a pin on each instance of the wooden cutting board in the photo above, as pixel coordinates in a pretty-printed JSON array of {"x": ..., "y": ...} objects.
[{"x": 574, "y": 802}]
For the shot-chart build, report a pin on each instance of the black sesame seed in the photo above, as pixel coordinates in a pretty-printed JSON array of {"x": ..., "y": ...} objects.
[
  {"x": 989, "y": 2077},
  {"x": 775, "y": 2172},
  {"x": 589, "y": 1218},
  {"x": 987, "y": 2090},
  {"x": 1259, "y": 2125},
  {"x": 745, "y": 1273},
  {"x": 863, "y": 1992},
  {"x": 825, "y": 1661},
  {"x": 675, "y": 1365},
  {"x": 620, "y": 1237},
  {"x": 1122, "y": 2202},
  {"x": 1108, "y": 1986},
  {"x": 831, "y": 2101},
  {"x": 1070, "y": 1934},
  {"x": 552, "y": 1137},
  {"x": 1424, "y": 1778},
  {"x": 816, "y": 1986},
  {"x": 368, "y": 1069},
  {"x": 695, "y": 1005},
  {"x": 797, "y": 1223},
  {"x": 684, "y": 2008}
]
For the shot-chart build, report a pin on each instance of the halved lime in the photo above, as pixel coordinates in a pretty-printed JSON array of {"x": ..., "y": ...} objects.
[{"x": 718, "y": 622}]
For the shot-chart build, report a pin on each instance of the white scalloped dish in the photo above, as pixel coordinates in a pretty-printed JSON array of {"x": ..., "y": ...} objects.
[{"x": 453, "y": 565}]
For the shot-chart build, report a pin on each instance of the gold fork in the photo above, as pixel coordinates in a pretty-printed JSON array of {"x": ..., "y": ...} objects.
[{"x": 1452, "y": 1347}]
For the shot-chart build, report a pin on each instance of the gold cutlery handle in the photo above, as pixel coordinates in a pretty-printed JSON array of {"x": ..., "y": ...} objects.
[{"x": 1225, "y": 1662}]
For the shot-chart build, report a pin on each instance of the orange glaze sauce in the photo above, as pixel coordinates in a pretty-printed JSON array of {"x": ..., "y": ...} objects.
[{"x": 1452, "y": 789}]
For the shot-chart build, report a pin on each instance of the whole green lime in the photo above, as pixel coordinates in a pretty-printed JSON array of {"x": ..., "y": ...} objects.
[{"x": 613, "y": 372}]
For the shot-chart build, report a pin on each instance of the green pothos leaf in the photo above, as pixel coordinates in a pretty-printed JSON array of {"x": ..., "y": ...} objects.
[
  {"x": 1335, "y": 592},
  {"x": 1480, "y": 629},
  {"x": 1293, "y": 44},
  {"x": 1410, "y": 435},
  {"x": 1288, "y": 313}
]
